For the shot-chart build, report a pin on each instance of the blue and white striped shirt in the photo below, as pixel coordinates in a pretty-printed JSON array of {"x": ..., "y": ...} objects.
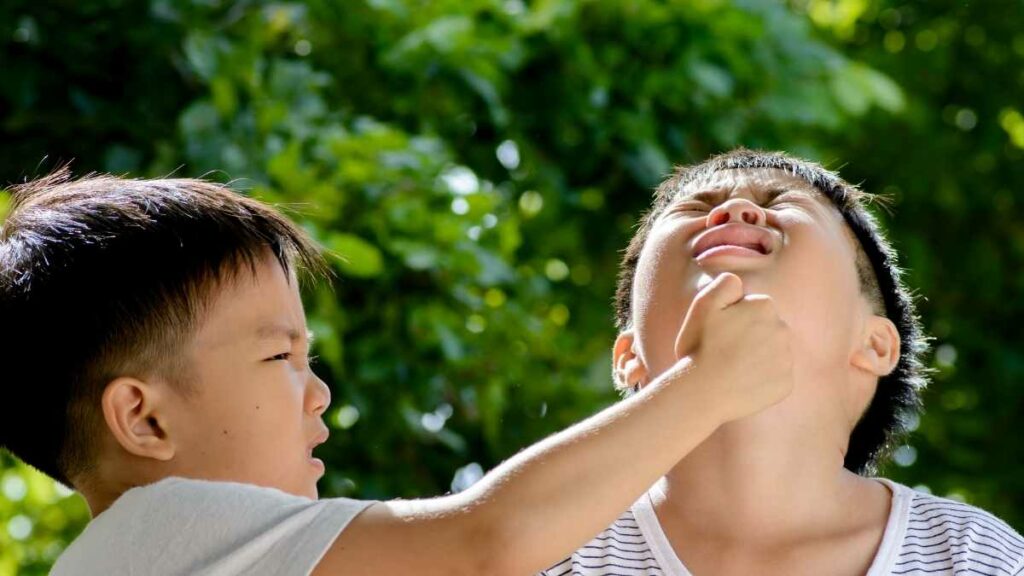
[{"x": 925, "y": 535}]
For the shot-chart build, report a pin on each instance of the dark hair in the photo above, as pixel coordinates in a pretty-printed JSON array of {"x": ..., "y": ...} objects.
[
  {"x": 883, "y": 425},
  {"x": 103, "y": 277}
]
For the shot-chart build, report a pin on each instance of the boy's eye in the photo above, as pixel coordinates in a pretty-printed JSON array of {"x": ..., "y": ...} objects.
[
  {"x": 692, "y": 207},
  {"x": 785, "y": 198},
  {"x": 287, "y": 356}
]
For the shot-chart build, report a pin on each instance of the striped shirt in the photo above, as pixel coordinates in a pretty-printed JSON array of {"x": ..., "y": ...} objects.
[{"x": 925, "y": 535}]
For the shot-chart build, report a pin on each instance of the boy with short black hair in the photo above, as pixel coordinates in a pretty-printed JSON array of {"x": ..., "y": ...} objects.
[
  {"x": 155, "y": 347},
  {"x": 785, "y": 490}
]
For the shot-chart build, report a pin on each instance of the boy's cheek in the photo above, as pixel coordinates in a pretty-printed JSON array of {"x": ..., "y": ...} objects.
[{"x": 814, "y": 299}]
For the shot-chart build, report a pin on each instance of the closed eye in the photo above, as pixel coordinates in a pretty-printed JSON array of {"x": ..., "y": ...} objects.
[
  {"x": 287, "y": 356},
  {"x": 692, "y": 207},
  {"x": 789, "y": 197}
]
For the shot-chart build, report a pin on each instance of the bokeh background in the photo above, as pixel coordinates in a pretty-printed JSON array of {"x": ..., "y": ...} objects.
[{"x": 481, "y": 164}]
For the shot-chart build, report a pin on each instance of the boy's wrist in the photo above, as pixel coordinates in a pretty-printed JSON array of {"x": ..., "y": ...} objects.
[
  {"x": 701, "y": 386},
  {"x": 708, "y": 391}
]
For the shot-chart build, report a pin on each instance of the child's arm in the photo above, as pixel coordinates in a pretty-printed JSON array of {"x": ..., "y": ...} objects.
[{"x": 549, "y": 499}]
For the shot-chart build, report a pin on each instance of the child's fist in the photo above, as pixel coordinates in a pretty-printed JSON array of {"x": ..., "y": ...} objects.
[{"x": 739, "y": 346}]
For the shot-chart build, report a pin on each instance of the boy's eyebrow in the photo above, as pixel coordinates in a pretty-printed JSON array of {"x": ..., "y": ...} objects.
[{"x": 268, "y": 331}]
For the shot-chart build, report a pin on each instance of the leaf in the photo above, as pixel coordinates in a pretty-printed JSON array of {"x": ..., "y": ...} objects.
[
  {"x": 888, "y": 94},
  {"x": 356, "y": 257},
  {"x": 850, "y": 90},
  {"x": 857, "y": 87},
  {"x": 201, "y": 50},
  {"x": 416, "y": 255},
  {"x": 711, "y": 78}
]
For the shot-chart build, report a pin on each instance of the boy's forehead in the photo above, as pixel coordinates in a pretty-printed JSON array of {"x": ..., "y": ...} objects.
[
  {"x": 254, "y": 305},
  {"x": 747, "y": 179},
  {"x": 268, "y": 328}
]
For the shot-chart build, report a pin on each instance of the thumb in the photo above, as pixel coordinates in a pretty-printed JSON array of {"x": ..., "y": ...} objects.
[{"x": 724, "y": 291}]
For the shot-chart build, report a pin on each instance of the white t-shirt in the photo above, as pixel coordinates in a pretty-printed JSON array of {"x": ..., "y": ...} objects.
[
  {"x": 192, "y": 527},
  {"x": 925, "y": 535}
]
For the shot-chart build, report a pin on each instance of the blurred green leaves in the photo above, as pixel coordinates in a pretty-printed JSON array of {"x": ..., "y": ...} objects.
[
  {"x": 858, "y": 87},
  {"x": 355, "y": 256},
  {"x": 38, "y": 518},
  {"x": 476, "y": 167}
]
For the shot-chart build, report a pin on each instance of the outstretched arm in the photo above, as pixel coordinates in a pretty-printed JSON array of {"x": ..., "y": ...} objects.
[{"x": 549, "y": 499}]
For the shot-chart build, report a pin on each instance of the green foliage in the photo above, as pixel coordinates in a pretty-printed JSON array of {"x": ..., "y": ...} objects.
[
  {"x": 951, "y": 163},
  {"x": 39, "y": 517},
  {"x": 475, "y": 167}
]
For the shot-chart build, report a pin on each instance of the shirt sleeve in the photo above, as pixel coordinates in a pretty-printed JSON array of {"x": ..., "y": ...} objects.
[{"x": 180, "y": 526}]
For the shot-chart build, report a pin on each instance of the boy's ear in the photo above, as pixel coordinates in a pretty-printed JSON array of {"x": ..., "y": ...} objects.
[
  {"x": 878, "y": 349},
  {"x": 132, "y": 411},
  {"x": 628, "y": 368}
]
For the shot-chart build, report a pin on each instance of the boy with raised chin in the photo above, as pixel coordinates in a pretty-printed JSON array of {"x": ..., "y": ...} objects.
[
  {"x": 787, "y": 490},
  {"x": 155, "y": 352}
]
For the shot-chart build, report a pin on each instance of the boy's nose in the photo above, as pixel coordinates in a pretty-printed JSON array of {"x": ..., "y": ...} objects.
[
  {"x": 319, "y": 396},
  {"x": 736, "y": 210}
]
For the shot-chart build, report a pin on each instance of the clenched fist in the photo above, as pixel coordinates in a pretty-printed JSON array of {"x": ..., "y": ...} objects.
[{"x": 739, "y": 347}]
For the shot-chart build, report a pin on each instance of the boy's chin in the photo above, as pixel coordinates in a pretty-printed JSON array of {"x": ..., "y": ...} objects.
[
  {"x": 737, "y": 264},
  {"x": 303, "y": 491},
  {"x": 306, "y": 487},
  {"x": 756, "y": 278}
]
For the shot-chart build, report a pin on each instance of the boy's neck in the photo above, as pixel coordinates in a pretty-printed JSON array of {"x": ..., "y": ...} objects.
[
  {"x": 763, "y": 481},
  {"x": 98, "y": 498},
  {"x": 111, "y": 478}
]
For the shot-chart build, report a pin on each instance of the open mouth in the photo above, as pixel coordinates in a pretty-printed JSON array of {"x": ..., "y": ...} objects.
[
  {"x": 315, "y": 462},
  {"x": 735, "y": 239},
  {"x": 320, "y": 439}
]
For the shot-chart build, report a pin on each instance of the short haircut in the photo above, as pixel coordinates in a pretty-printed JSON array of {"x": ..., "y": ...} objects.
[
  {"x": 883, "y": 426},
  {"x": 103, "y": 277}
]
